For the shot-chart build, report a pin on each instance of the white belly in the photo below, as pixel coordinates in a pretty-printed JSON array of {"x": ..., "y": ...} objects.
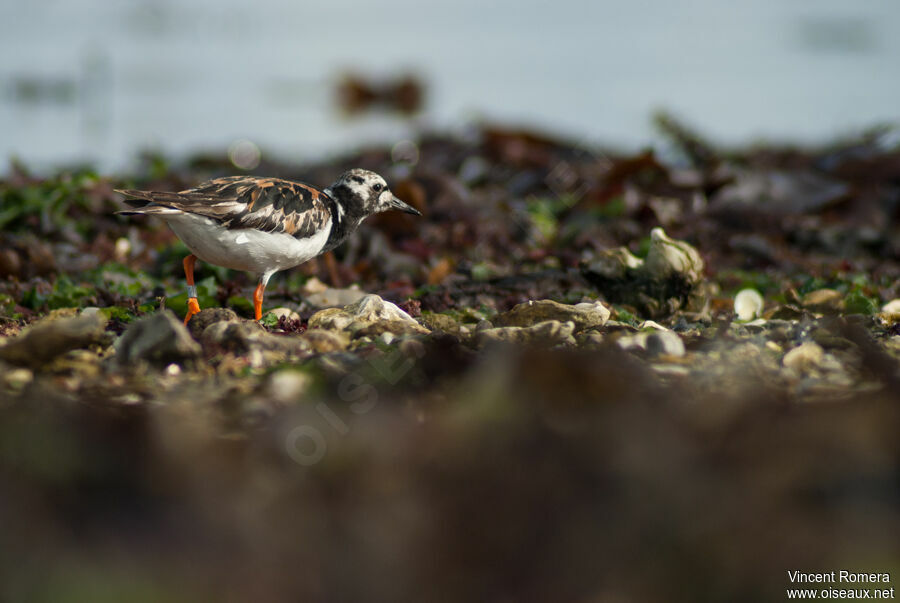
[{"x": 245, "y": 249}]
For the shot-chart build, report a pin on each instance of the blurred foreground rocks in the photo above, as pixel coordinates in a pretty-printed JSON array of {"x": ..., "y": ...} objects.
[{"x": 374, "y": 460}]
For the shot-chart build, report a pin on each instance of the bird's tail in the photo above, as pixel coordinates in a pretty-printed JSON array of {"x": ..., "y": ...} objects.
[{"x": 144, "y": 202}]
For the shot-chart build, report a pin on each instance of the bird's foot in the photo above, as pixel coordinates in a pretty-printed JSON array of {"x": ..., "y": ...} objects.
[{"x": 193, "y": 307}]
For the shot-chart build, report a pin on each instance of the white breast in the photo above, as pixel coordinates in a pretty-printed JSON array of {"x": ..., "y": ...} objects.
[{"x": 247, "y": 248}]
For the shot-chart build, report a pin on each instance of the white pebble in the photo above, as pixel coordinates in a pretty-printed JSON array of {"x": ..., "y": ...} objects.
[
  {"x": 748, "y": 304},
  {"x": 122, "y": 249},
  {"x": 892, "y": 307}
]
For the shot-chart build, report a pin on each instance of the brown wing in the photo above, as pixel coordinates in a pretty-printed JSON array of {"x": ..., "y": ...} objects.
[{"x": 267, "y": 204}]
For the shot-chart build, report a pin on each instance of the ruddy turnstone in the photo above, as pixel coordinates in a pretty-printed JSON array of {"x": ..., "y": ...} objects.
[{"x": 263, "y": 225}]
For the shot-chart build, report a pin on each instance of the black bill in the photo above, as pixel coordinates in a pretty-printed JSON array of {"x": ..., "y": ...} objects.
[{"x": 396, "y": 203}]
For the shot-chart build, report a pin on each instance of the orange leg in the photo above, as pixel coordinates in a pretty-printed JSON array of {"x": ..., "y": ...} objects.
[
  {"x": 258, "y": 299},
  {"x": 193, "y": 306}
]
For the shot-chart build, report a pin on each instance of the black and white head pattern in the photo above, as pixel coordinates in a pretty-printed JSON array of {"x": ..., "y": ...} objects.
[{"x": 361, "y": 193}]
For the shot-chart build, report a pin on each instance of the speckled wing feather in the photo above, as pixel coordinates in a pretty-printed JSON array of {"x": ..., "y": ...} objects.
[{"x": 266, "y": 204}]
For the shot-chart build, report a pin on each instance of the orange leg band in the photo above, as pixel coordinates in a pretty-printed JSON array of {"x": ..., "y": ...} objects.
[{"x": 193, "y": 306}]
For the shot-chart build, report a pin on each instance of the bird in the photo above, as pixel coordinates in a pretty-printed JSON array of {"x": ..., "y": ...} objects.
[{"x": 264, "y": 225}]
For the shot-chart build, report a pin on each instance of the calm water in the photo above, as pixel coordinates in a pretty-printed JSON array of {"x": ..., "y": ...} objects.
[{"x": 97, "y": 80}]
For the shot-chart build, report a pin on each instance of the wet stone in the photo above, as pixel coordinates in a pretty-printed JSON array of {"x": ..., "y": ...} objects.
[
  {"x": 335, "y": 319},
  {"x": 198, "y": 322},
  {"x": 484, "y": 325},
  {"x": 378, "y": 328},
  {"x": 669, "y": 258},
  {"x": 54, "y": 336},
  {"x": 321, "y": 341},
  {"x": 370, "y": 315},
  {"x": 159, "y": 339},
  {"x": 586, "y": 315},
  {"x": 440, "y": 322},
  {"x": 671, "y": 278},
  {"x": 550, "y": 332},
  {"x": 372, "y": 308},
  {"x": 240, "y": 337}
]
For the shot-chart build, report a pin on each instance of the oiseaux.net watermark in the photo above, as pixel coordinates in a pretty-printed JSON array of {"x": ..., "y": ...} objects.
[
  {"x": 307, "y": 443},
  {"x": 839, "y": 584}
]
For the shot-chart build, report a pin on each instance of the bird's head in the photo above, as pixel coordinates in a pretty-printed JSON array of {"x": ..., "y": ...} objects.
[{"x": 363, "y": 193}]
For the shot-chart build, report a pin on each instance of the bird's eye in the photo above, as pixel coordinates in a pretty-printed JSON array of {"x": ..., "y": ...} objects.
[{"x": 377, "y": 187}]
